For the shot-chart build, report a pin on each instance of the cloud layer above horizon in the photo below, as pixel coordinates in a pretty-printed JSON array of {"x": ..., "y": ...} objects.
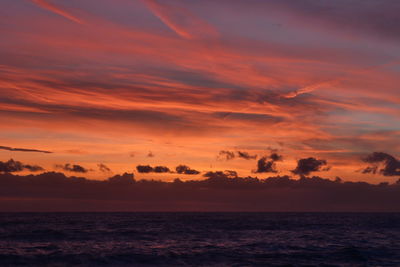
[{"x": 110, "y": 85}]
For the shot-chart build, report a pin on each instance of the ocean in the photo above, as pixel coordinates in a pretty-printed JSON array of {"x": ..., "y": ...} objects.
[{"x": 200, "y": 239}]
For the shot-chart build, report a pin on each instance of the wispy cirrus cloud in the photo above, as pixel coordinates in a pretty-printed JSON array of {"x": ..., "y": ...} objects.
[
  {"x": 45, "y": 4},
  {"x": 181, "y": 20},
  {"x": 232, "y": 80}
]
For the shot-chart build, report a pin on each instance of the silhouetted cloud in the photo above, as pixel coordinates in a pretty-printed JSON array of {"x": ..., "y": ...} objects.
[
  {"x": 161, "y": 169},
  {"x": 33, "y": 168},
  {"x": 103, "y": 167},
  {"x": 183, "y": 169},
  {"x": 275, "y": 157},
  {"x": 224, "y": 154},
  {"x": 264, "y": 165},
  {"x": 391, "y": 166},
  {"x": 228, "y": 155},
  {"x": 150, "y": 155},
  {"x": 144, "y": 168},
  {"x": 227, "y": 174},
  {"x": 124, "y": 179},
  {"x": 370, "y": 169},
  {"x": 17, "y": 166},
  {"x": 72, "y": 168},
  {"x": 245, "y": 155},
  {"x": 148, "y": 169},
  {"x": 308, "y": 165},
  {"x": 23, "y": 149}
]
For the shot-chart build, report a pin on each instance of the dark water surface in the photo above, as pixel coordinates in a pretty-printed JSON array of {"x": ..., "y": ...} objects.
[{"x": 205, "y": 239}]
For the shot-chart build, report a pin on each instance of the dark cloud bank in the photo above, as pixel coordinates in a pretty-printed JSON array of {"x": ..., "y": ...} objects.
[{"x": 218, "y": 191}]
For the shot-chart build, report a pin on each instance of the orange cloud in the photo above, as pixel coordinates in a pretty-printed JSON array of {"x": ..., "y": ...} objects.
[{"x": 119, "y": 85}]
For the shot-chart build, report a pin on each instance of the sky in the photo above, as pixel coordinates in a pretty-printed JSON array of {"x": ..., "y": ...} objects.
[{"x": 98, "y": 87}]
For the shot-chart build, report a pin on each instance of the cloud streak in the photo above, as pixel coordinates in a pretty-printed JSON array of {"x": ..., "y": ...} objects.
[
  {"x": 180, "y": 20},
  {"x": 57, "y": 10},
  {"x": 24, "y": 150}
]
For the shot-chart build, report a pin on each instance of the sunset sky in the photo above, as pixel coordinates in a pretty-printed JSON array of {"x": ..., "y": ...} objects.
[{"x": 162, "y": 83}]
